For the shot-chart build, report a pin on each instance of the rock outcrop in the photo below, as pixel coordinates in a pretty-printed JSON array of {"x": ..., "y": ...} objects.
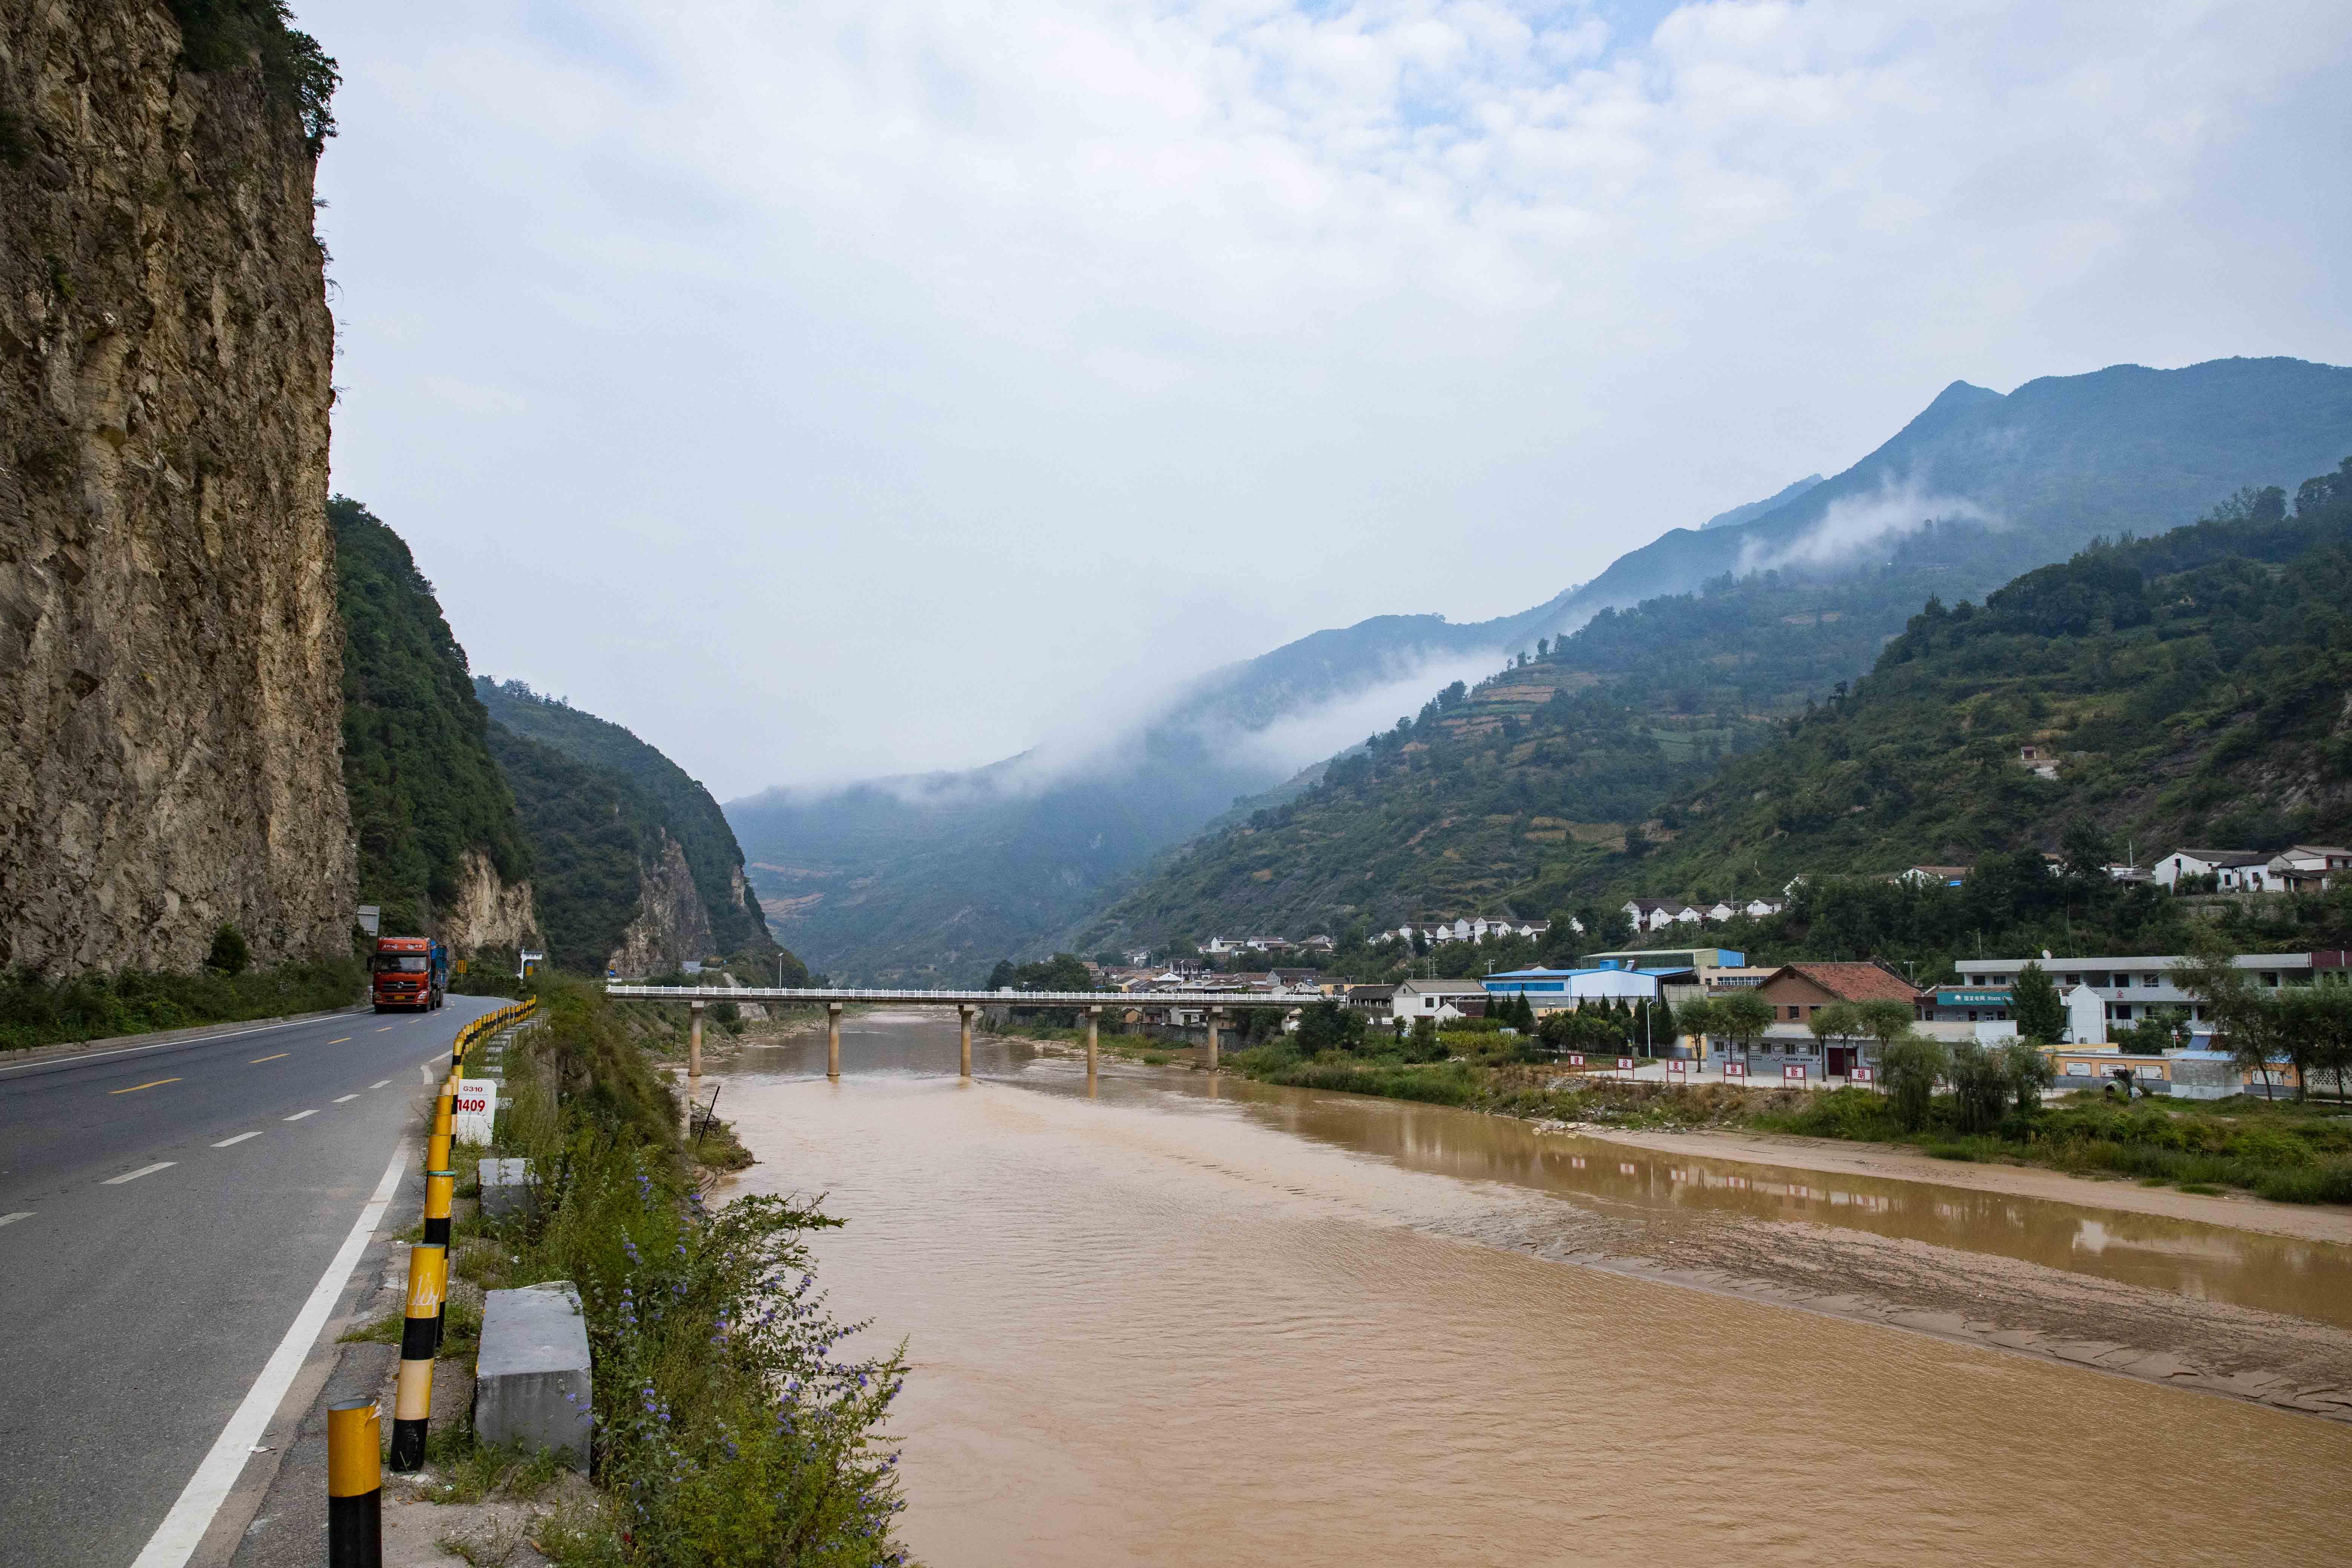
[
  {"x": 487, "y": 912},
  {"x": 671, "y": 923},
  {"x": 170, "y": 697}
]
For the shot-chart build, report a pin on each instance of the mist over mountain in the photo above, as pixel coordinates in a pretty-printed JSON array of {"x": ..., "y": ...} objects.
[
  {"x": 1755, "y": 508},
  {"x": 934, "y": 877}
]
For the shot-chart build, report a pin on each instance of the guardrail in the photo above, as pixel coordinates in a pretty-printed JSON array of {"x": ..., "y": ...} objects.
[{"x": 354, "y": 1427}]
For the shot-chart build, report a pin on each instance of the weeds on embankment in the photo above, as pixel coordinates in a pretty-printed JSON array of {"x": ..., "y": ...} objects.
[
  {"x": 726, "y": 1430},
  {"x": 99, "y": 1007},
  {"x": 2289, "y": 1151}
]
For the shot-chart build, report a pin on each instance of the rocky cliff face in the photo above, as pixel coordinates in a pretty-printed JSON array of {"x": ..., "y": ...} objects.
[
  {"x": 169, "y": 649},
  {"x": 487, "y": 912},
  {"x": 671, "y": 923}
]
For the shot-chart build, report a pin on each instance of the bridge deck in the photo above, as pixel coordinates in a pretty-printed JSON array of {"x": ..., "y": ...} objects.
[{"x": 964, "y": 998}]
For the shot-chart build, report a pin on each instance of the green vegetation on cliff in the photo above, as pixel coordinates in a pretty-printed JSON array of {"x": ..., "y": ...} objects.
[
  {"x": 590, "y": 830},
  {"x": 2187, "y": 688},
  {"x": 660, "y": 794},
  {"x": 231, "y": 34},
  {"x": 425, "y": 791}
]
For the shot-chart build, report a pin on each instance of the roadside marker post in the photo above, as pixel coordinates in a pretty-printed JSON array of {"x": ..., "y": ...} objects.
[
  {"x": 428, "y": 1282},
  {"x": 440, "y": 1187},
  {"x": 354, "y": 1485}
]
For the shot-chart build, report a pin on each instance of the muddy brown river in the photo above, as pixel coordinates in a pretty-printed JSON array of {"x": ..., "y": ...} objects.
[{"x": 1186, "y": 1320}]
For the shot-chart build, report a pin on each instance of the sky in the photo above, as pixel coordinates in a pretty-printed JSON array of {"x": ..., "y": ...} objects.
[{"x": 862, "y": 387}]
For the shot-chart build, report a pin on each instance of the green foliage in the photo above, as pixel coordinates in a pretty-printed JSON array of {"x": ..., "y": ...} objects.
[
  {"x": 2034, "y": 1003},
  {"x": 1329, "y": 1025},
  {"x": 2189, "y": 685},
  {"x": 591, "y": 831},
  {"x": 728, "y": 1431},
  {"x": 1910, "y": 1068},
  {"x": 423, "y": 789},
  {"x": 229, "y": 955},
  {"x": 229, "y": 35},
  {"x": 1062, "y": 971},
  {"x": 666, "y": 798},
  {"x": 95, "y": 1007}
]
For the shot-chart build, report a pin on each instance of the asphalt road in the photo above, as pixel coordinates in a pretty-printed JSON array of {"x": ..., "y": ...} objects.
[{"x": 163, "y": 1215}]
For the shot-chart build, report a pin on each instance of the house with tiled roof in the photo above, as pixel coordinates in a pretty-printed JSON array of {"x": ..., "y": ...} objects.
[{"x": 1799, "y": 991}]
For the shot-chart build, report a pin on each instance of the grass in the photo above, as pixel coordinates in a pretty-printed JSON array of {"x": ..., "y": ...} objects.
[
  {"x": 96, "y": 1006},
  {"x": 2282, "y": 1150},
  {"x": 726, "y": 1430}
]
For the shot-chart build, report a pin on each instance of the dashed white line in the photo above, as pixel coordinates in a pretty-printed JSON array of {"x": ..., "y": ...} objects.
[
  {"x": 13, "y": 1218},
  {"x": 238, "y": 1138},
  {"x": 300, "y": 1114},
  {"x": 340, "y": 1098},
  {"x": 379, "y": 1083},
  {"x": 142, "y": 1171}
]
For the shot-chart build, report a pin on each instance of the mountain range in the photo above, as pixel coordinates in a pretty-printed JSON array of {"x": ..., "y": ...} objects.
[{"x": 1704, "y": 632}]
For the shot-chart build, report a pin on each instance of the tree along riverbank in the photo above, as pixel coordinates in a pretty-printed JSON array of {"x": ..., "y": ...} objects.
[{"x": 2288, "y": 1151}]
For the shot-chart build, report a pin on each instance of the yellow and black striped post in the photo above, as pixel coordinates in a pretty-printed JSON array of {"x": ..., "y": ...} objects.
[
  {"x": 412, "y": 1402},
  {"x": 440, "y": 1187},
  {"x": 354, "y": 1485}
]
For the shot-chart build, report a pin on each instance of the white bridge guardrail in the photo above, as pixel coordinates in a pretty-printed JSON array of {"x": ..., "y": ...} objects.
[{"x": 981, "y": 998}]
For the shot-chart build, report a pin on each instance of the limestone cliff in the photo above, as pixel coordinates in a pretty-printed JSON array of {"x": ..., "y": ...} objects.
[
  {"x": 671, "y": 923},
  {"x": 488, "y": 911},
  {"x": 170, "y": 661}
]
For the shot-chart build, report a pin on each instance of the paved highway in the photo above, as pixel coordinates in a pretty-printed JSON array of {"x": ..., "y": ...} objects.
[{"x": 164, "y": 1214}]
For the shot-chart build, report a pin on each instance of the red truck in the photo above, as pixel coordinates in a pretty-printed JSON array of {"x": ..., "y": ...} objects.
[{"x": 408, "y": 972}]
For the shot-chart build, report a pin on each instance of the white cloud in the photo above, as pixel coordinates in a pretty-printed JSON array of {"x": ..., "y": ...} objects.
[
  {"x": 881, "y": 375},
  {"x": 1853, "y": 524}
]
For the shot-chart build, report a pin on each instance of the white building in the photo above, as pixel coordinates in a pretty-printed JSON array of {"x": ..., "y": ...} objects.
[
  {"x": 1438, "y": 1000},
  {"x": 2310, "y": 868},
  {"x": 2234, "y": 870}
]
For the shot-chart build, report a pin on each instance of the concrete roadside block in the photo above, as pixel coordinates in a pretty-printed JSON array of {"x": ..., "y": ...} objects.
[
  {"x": 531, "y": 1382},
  {"x": 509, "y": 1188}
]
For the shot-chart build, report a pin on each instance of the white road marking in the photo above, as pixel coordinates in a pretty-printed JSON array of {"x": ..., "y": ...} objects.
[
  {"x": 238, "y": 1138},
  {"x": 175, "y": 1540},
  {"x": 379, "y": 1083},
  {"x": 300, "y": 1114},
  {"x": 80, "y": 1057},
  {"x": 142, "y": 1171},
  {"x": 340, "y": 1098},
  {"x": 13, "y": 1218},
  {"x": 424, "y": 1071}
]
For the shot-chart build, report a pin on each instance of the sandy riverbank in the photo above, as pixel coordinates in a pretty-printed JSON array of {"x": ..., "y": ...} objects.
[{"x": 2305, "y": 1222}]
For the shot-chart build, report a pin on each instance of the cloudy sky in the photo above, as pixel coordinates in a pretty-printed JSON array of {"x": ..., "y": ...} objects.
[{"x": 840, "y": 388}]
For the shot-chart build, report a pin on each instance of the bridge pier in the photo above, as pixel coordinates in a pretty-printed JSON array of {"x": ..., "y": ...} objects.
[
  {"x": 833, "y": 1041},
  {"x": 1214, "y": 1016},
  {"x": 693, "y": 1057},
  {"x": 964, "y": 1010},
  {"x": 1093, "y": 1021}
]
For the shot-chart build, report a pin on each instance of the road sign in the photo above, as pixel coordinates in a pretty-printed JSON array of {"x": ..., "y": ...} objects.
[
  {"x": 1675, "y": 1067},
  {"x": 1624, "y": 1064},
  {"x": 1575, "y": 1058},
  {"x": 1794, "y": 1072},
  {"x": 1865, "y": 1075},
  {"x": 370, "y": 919},
  {"x": 1735, "y": 1070},
  {"x": 476, "y": 1109}
]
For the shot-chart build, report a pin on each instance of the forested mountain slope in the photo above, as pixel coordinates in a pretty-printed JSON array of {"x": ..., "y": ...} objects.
[
  {"x": 2193, "y": 688},
  {"x": 661, "y": 802},
  {"x": 1742, "y": 622},
  {"x": 441, "y": 848},
  {"x": 1548, "y": 787}
]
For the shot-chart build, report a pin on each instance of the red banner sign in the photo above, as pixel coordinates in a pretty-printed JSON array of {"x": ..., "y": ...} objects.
[
  {"x": 1624, "y": 1064},
  {"x": 1793, "y": 1071}
]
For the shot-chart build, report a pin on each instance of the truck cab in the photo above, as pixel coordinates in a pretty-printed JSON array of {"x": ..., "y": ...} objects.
[{"x": 408, "y": 972}]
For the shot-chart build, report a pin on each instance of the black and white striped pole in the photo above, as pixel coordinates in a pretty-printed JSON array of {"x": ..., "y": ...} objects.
[
  {"x": 412, "y": 1400},
  {"x": 354, "y": 1485}
]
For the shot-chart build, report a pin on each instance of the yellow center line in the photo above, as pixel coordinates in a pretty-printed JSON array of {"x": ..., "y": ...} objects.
[
  {"x": 339, "y": 1042},
  {"x": 269, "y": 1058},
  {"x": 385, "y": 1030},
  {"x": 134, "y": 1088}
]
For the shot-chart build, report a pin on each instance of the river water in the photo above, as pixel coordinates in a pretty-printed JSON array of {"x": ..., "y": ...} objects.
[{"x": 1185, "y": 1320}]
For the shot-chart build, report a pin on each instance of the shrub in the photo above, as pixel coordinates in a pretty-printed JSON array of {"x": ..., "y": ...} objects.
[{"x": 230, "y": 954}]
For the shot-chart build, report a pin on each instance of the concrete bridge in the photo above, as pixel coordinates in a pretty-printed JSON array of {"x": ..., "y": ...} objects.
[{"x": 1212, "y": 1004}]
